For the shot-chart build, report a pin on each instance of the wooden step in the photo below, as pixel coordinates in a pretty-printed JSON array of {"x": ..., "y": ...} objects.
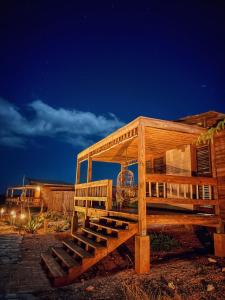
[
  {"x": 115, "y": 227},
  {"x": 67, "y": 260},
  {"x": 88, "y": 241},
  {"x": 99, "y": 234},
  {"x": 77, "y": 249},
  {"x": 106, "y": 226},
  {"x": 119, "y": 219},
  {"x": 53, "y": 267}
]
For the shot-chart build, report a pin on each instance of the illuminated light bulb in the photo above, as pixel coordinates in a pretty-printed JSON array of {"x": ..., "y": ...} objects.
[
  {"x": 38, "y": 188},
  {"x": 22, "y": 216},
  {"x": 12, "y": 212},
  {"x": 2, "y": 210}
]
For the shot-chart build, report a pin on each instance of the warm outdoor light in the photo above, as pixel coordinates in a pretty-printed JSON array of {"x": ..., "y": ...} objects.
[
  {"x": 38, "y": 188},
  {"x": 2, "y": 211},
  {"x": 22, "y": 216},
  {"x": 12, "y": 213}
]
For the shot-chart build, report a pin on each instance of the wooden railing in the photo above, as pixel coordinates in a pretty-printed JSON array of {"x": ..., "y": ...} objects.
[
  {"x": 26, "y": 200},
  {"x": 170, "y": 189},
  {"x": 96, "y": 194}
]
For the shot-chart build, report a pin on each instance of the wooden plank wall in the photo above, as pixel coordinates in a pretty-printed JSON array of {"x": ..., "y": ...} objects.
[
  {"x": 219, "y": 144},
  {"x": 62, "y": 201}
]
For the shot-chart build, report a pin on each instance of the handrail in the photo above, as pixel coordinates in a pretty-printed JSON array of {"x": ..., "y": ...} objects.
[
  {"x": 174, "y": 190},
  {"x": 180, "y": 179},
  {"x": 100, "y": 191}
]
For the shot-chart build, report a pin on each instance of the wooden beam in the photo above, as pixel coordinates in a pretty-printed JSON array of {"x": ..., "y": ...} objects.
[
  {"x": 141, "y": 182},
  {"x": 170, "y": 125},
  {"x": 174, "y": 201},
  {"x": 90, "y": 198},
  {"x": 93, "y": 183},
  {"x": 183, "y": 219},
  {"x": 181, "y": 179},
  {"x": 113, "y": 138}
]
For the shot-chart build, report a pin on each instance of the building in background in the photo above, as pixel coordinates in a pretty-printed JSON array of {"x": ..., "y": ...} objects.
[{"x": 53, "y": 195}]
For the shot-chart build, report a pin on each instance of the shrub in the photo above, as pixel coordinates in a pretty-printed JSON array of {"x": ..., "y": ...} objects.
[
  {"x": 163, "y": 242},
  {"x": 61, "y": 227},
  {"x": 33, "y": 225}
]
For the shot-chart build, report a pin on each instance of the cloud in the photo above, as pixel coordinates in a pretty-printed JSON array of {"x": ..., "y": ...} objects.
[{"x": 75, "y": 127}]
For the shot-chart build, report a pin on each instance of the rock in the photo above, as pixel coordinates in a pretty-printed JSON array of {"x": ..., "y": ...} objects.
[
  {"x": 90, "y": 288},
  {"x": 171, "y": 285},
  {"x": 210, "y": 288},
  {"x": 212, "y": 260}
]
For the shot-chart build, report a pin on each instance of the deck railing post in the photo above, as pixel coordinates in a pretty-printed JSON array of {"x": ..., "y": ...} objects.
[{"x": 142, "y": 242}]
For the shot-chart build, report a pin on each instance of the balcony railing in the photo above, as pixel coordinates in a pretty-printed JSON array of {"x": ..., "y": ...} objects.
[
  {"x": 169, "y": 189},
  {"x": 95, "y": 194}
]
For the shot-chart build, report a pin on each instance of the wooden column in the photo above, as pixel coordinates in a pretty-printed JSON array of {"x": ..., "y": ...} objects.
[
  {"x": 78, "y": 172},
  {"x": 141, "y": 182},
  {"x": 89, "y": 169},
  {"x": 142, "y": 241},
  {"x": 74, "y": 222},
  {"x": 220, "y": 228},
  {"x": 219, "y": 244}
]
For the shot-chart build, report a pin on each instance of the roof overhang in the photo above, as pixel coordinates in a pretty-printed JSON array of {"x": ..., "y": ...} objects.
[{"x": 160, "y": 135}]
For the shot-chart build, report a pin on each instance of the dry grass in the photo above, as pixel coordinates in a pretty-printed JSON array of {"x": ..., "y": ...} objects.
[{"x": 133, "y": 291}]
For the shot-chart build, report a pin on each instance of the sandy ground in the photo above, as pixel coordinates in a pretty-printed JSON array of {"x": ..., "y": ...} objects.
[{"x": 185, "y": 273}]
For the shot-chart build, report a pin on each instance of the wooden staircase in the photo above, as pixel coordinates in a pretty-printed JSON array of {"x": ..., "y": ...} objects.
[{"x": 64, "y": 264}]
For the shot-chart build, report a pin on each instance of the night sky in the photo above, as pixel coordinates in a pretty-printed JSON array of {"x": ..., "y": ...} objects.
[{"x": 73, "y": 71}]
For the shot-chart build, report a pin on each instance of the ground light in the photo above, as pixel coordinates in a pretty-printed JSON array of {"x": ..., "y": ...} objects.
[
  {"x": 2, "y": 212},
  {"x": 22, "y": 218},
  {"x": 12, "y": 217}
]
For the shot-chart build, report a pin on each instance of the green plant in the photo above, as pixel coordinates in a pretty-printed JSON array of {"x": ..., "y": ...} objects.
[
  {"x": 32, "y": 225},
  {"x": 163, "y": 242},
  {"x": 52, "y": 215},
  {"x": 61, "y": 227},
  {"x": 207, "y": 136}
]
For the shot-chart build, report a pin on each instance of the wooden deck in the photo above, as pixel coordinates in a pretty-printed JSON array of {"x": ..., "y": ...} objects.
[{"x": 158, "y": 216}]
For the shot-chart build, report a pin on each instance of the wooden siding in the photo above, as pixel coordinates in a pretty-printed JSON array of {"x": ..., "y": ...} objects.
[
  {"x": 219, "y": 144},
  {"x": 61, "y": 201}
]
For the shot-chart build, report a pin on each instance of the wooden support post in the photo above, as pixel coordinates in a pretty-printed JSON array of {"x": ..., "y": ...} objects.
[
  {"x": 142, "y": 254},
  {"x": 219, "y": 244},
  {"x": 89, "y": 169},
  {"x": 141, "y": 182},
  {"x": 78, "y": 172},
  {"x": 74, "y": 222},
  {"x": 142, "y": 242},
  {"x": 109, "y": 196}
]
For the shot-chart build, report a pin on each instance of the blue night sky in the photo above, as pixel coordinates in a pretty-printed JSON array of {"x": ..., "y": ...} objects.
[{"x": 73, "y": 71}]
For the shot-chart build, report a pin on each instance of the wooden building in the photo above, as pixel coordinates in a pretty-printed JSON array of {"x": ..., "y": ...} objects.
[
  {"x": 57, "y": 196},
  {"x": 179, "y": 182}
]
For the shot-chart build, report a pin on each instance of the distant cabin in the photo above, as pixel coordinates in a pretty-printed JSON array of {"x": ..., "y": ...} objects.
[{"x": 53, "y": 195}]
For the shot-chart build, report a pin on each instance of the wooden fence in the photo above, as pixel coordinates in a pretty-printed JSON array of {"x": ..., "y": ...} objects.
[{"x": 61, "y": 201}]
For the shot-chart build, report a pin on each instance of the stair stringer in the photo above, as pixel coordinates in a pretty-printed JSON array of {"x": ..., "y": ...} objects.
[{"x": 112, "y": 244}]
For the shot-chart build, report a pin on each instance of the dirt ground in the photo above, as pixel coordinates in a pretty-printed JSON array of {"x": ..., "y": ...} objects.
[{"x": 189, "y": 272}]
